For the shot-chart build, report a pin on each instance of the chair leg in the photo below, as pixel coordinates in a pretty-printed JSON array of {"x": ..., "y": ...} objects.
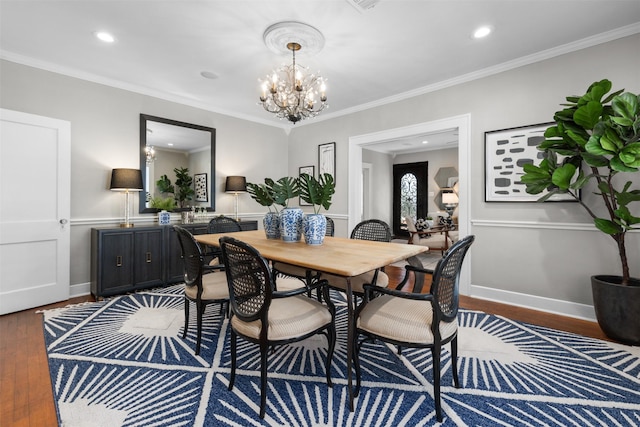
[
  {"x": 200, "y": 308},
  {"x": 234, "y": 338},
  {"x": 435, "y": 353},
  {"x": 186, "y": 317},
  {"x": 454, "y": 361},
  {"x": 331, "y": 336},
  {"x": 263, "y": 378}
]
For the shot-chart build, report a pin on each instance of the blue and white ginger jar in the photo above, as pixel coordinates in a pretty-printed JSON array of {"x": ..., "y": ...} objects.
[
  {"x": 291, "y": 224},
  {"x": 271, "y": 224},
  {"x": 315, "y": 228}
]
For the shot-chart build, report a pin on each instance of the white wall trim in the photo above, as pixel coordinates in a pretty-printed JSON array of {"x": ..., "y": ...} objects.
[
  {"x": 539, "y": 225},
  {"x": 463, "y": 124},
  {"x": 79, "y": 290},
  {"x": 605, "y": 37},
  {"x": 547, "y": 305}
]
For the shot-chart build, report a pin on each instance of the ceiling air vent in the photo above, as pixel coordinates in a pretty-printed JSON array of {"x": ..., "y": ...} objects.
[{"x": 363, "y": 5}]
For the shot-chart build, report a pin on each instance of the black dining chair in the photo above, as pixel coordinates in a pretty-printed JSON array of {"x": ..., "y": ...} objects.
[
  {"x": 374, "y": 230},
  {"x": 219, "y": 224},
  {"x": 202, "y": 289},
  {"x": 408, "y": 319},
  {"x": 264, "y": 316}
]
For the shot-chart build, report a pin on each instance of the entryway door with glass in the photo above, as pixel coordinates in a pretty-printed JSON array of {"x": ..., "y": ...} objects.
[{"x": 409, "y": 194}]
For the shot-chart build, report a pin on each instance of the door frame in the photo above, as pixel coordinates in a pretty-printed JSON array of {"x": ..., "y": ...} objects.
[{"x": 463, "y": 124}]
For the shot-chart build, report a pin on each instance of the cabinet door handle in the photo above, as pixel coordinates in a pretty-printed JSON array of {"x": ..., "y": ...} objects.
[
  {"x": 119, "y": 261},
  {"x": 148, "y": 256}
]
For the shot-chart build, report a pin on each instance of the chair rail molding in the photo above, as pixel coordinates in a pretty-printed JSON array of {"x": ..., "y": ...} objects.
[{"x": 540, "y": 225}]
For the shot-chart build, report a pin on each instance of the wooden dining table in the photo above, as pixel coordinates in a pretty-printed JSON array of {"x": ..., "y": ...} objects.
[{"x": 337, "y": 255}]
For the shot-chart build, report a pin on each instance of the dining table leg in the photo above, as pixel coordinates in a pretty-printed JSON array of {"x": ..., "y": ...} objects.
[{"x": 350, "y": 333}]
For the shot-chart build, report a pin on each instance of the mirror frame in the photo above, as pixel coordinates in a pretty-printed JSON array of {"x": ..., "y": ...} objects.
[{"x": 144, "y": 118}]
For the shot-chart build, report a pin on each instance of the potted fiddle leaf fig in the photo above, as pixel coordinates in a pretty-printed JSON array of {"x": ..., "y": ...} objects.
[
  {"x": 318, "y": 193},
  {"x": 184, "y": 184},
  {"x": 263, "y": 194},
  {"x": 596, "y": 139}
]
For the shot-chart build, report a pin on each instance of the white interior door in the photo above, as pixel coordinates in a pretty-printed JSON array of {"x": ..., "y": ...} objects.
[{"x": 35, "y": 160}]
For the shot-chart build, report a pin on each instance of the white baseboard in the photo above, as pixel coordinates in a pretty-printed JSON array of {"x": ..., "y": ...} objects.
[
  {"x": 549, "y": 305},
  {"x": 79, "y": 290}
]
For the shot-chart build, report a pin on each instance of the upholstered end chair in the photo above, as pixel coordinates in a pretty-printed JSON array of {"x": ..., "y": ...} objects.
[{"x": 436, "y": 240}]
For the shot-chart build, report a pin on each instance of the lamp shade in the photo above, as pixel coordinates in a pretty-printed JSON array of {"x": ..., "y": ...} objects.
[
  {"x": 236, "y": 184},
  {"x": 126, "y": 180},
  {"x": 449, "y": 198}
]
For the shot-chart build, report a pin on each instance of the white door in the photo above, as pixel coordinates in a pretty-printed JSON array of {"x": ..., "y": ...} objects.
[{"x": 35, "y": 160}]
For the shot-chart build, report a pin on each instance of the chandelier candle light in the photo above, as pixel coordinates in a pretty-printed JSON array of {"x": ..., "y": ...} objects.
[{"x": 291, "y": 93}]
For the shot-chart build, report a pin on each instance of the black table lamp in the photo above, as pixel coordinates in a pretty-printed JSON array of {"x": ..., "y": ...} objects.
[
  {"x": 236, "y": 184},
  {"x": 126, "y": 180}
]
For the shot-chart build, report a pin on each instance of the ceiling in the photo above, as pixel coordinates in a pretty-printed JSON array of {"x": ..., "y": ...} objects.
[{"x": 370, "y": 57}]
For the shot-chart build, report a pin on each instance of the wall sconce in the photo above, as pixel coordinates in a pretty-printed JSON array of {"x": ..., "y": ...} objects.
[
  {"x": 236, "y": 185},
  {"x": 126, "y": 180}
]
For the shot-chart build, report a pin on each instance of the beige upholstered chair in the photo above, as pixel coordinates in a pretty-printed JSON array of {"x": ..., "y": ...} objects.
[
  {"x": 436, "y": 240},
  {"x": 202, "y": 289},
  {"x": 415, "y": 319},
  {"x": 267, "y": 317}
]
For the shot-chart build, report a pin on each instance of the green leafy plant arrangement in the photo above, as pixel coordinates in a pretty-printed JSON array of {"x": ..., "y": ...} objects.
[
  {"x": 283, "y": 190},
  {"x": 184, "y": 183},
  {"x": 262, "y": 194},
  {"x": 163, "y": 203},
  {"x": 598, "y": 135},
  {"x": 164, "y": 185},
  {"x": 317, "y": 192}
]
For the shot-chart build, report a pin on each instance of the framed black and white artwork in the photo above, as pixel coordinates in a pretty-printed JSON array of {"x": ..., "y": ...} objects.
[
  {"x": 309, "y": 170},
  {"x": 327, "y": 159},
  {"x": 506, "y": 152},
  {"x": 201, "y": 187}
]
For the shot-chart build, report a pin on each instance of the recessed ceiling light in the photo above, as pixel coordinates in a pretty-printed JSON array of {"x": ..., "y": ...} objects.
[
  {"x": 425, "y": 142},
  {"x": 170, "y": 144},
  {"x": 482, "y": 32},
  {"x": 209, "y": 75},
  {"x": 105, "y": 37}
]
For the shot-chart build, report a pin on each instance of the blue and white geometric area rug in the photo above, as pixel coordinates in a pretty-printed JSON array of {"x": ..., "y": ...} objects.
[{"x": 123, "y": 362}]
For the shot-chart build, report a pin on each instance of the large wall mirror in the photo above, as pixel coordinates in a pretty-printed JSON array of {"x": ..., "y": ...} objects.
[{"x": 168, "y": 144}]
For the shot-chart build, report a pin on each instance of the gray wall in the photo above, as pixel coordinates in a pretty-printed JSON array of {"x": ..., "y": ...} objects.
[
  {"x": 528, "y": 254},
  {"x": 105, "y": 135},
  {"x": 539, "y": 255}
]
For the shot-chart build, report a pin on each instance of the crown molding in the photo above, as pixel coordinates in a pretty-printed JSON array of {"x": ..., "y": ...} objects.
[{"x": 465, "y": 78}]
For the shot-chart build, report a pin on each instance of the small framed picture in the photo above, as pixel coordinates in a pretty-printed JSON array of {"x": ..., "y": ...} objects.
[
  {"x": 309, "y": 170},
  {"x": 327, "y": 159},
  {"x": 201, "y": 187},
  {"x": 506, "y": 152}
]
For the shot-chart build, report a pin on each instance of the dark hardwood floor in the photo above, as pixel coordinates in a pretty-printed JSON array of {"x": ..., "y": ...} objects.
[{"x": 26, "y": 397}]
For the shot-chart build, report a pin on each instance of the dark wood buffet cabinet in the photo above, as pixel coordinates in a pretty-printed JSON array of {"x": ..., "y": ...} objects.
[{"x": 127, "y": 259}]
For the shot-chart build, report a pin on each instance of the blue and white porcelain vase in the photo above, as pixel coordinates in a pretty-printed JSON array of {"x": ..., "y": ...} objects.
[
  {"x": 271, "y": 223},
  {"x": 164, "y": 218},
  {"x": 291, "y": 224},
  {"x": 315, "y": 228}
]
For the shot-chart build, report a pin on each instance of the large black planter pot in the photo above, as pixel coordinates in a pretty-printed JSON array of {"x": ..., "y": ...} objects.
[{"x": 617, "y": 308}]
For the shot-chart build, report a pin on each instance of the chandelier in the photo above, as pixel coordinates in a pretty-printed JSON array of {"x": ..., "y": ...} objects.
[
  {"x": 291, "y": 93},
  {"x": 149, "y": 153}
]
